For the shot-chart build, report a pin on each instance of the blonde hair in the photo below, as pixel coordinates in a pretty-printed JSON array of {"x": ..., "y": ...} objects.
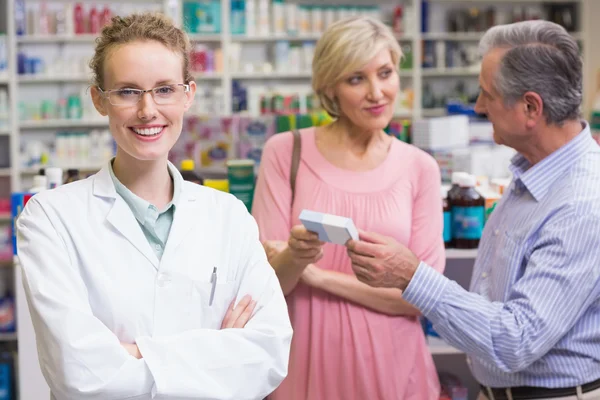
[
  {"x": 139, "y": 27},
  {"x": 347, "y": 46}
]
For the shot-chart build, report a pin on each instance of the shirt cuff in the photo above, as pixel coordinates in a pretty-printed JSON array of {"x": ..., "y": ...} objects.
[{"x": 425, "y": 289}]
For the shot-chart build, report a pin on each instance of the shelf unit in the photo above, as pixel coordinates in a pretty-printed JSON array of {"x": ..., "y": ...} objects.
[{"x": 416, "y": 76}]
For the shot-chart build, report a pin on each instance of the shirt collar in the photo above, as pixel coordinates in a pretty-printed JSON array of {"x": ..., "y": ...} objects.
[
  {"x": 139, "y": 206},
  {"x": 539, "y": 178}
]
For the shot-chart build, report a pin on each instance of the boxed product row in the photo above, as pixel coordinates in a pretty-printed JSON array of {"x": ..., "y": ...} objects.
[
  {"x": 210, "y": 142},
  {"x": 69, "y": 150},
  {"x": 478, "y": 19},
  {"x": 3, "y": 56},
  {"x": 60, "y": 66},
  {"x": 213, "y": 141},
  {"x": 265, "y": 17},
  {"x": 67, "y": 18},
  {"x": 206, "y": 60},
  {"x": 4, "y": 107},
  {"x": 75, "y": 106}
]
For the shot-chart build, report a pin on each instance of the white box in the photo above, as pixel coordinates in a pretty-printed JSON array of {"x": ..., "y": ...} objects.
[{"x": 330, "y": 228}]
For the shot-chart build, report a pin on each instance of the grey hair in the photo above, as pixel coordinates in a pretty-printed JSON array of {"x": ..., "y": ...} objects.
[{"x": 542, "y": 57}]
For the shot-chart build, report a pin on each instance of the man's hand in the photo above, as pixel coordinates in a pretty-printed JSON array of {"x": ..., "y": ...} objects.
[
  {"x": 132, "y": 349},
  {"x": 238, "y": 317},
  {"x": 381, "y": 261}
]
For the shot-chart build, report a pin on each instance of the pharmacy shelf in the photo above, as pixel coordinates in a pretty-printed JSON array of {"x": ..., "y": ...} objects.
[
  {"x": 8, "y": 337},
  {"x": 433, "y": 112},
  {"x": 208, "y": 38},
  {"x": 4, "y": 80},
  {"x": 4, "y": 172},
  {"x": 271, "y": 75},
  {"x": 4, "y": 132},
  {"x": 207, "y": 77},
  {"x": 438, "y": 346},
  {"x": 443, "y": 72},
  {"x": 53, "y": 78},
  {"x": 6, "y": 264},
  {"x": 81, "y": 168},
  {"x": 403, "y": 114},
  {"x": 275, "y": 38},
  {"x": 37, "y": 39},
  {"x": 406, "y": 73},
  {"x": 452, "y": 36},
  {"x": 482, "y": 2},
  {"x": 4, "y": 217},
  {"x": 64, "y": 123},
  {"x": 469, "y": 36},
  {"x": 460, "y": 254}
]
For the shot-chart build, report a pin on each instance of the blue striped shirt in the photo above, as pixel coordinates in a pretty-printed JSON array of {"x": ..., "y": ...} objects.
[{"x": 532, "y": 316}]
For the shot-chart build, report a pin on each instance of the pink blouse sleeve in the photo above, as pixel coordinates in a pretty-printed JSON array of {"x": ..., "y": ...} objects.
[
  {"x": 428, "y": 220},
  {"x": 271, "y": 206}
]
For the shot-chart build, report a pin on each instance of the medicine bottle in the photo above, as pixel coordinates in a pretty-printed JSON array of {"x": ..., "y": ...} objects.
[
  {"x": 447, "y": 232},
  {"x": 468, "y": 215},
  {"x": 188, "y": 174}
]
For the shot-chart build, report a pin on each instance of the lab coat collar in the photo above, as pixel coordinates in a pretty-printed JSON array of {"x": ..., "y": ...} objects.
[{"x": 187, "y": 214}]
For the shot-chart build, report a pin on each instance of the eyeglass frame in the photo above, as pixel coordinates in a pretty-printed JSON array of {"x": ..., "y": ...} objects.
[{"x": 142, "y": 92}]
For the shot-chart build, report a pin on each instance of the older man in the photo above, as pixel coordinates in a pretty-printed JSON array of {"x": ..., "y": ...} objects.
[{"x": 531, "y": 321}]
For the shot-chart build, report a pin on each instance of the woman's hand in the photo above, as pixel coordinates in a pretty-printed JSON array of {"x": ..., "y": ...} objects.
[
  {"x": 313, "y": 276},
  {"x": 273, "y": 247},
  {"x": 304, "y": 246},
  {"x": 132, "y": 349},
  {"x": 238, "y": 317}
]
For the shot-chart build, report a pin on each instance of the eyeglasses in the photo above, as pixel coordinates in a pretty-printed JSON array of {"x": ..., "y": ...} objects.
[{"x": 162, "y": 95}]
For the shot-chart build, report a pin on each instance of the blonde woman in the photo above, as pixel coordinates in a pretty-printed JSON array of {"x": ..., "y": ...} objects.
[
  {"x": 130, "y": 274},
  {"x": 351, "y": 341}
]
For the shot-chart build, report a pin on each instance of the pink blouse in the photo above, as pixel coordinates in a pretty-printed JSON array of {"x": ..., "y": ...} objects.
[{"x": 342, "y": 350}]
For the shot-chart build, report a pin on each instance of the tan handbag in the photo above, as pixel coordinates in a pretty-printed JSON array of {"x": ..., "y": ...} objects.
[{"x": 295, "y": 162}]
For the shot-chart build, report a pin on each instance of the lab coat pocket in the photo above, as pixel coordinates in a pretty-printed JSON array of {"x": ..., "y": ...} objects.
[{"x": 207, "y": 314}]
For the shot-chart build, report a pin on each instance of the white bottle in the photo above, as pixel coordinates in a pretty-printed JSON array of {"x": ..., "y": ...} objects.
[
  {"x": 263, "y": 18},
  {"x": 291, "y": 18},
  {"x": 54, "y": 176},
  {"x": 278, "y": 17},
  {"x": 40, "y": 183},
  {"x": 107, "y": 146},
  {"x": 3, "y": 108},
  {"x": 250, "y": 18},
  {"x": 316, "y": 18}
]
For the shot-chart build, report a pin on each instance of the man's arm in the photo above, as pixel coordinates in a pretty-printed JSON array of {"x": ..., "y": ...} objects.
[{"x": 560, "y": 282}]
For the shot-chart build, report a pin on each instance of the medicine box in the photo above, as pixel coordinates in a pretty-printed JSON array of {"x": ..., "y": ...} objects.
[{"x": 330, "y": 228}]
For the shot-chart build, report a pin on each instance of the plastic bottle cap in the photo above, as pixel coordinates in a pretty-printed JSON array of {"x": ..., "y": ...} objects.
[
  {"x": 40, "y": 181},
  {"x": 188, "y": 165},
  {"x": 54, "y": 175},
  {"x": 468, "y": 181},
  {"x": 444, "y": 191},
  {"x": 456, "y": 176}
]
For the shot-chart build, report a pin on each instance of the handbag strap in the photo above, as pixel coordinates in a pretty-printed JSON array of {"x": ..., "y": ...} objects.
[{"x": 295, "y": 162}]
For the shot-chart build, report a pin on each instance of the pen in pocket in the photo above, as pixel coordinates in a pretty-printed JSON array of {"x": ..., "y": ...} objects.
[{"x": 213, "y": 281}]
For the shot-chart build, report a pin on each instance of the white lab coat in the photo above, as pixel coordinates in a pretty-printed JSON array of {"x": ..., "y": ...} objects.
[{"x": 92, "y": 280}]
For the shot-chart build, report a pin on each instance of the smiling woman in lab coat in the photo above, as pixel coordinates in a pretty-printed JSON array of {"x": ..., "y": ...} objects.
[{"x": 130, "y": 274}]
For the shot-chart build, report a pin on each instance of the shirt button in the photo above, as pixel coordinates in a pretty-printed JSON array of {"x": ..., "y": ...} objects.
[
  {"x": 484, "y": 275},
  {"x": 469, "y": 360},
  {"x": 158, "y": 247},
  {"x": 497, "y": 232}
]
